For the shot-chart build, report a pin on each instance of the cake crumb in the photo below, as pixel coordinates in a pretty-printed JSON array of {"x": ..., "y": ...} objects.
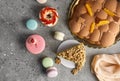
[{"x": 57, "y": 60}]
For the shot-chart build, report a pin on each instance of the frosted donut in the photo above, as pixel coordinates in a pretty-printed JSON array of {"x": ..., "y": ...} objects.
[
  {"x": 48, "y": 16},
  {"x": 59, "y": 36}
]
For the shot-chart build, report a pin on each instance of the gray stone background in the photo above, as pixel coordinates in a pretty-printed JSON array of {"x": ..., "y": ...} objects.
[{"x": 16, "y": 63}]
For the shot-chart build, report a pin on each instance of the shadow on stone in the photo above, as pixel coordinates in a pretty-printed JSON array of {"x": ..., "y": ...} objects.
[
  {"x": 39, "y": 62},
  {"x": 22, "y": 39},
  {"x": 23, "y": 22},
  {"x": 36, "y": 10}
]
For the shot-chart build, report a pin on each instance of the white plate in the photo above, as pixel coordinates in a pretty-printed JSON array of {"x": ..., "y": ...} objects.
[{"x": 65, "y": 45}]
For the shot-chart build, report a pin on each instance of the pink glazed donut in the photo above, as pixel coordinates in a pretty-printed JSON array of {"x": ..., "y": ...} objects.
[{"x": 35, "y": 44}]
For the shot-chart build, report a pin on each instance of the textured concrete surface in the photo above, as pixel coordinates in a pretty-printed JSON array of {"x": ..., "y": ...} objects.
[{"x": 16, "y": 63}]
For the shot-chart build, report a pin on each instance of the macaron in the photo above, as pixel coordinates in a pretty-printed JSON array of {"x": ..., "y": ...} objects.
[
  {"x": 31, "y": 24},
  {"x": 35, "y": 44},
  {"x": 41, "y": 1},
  {"x": 47, "y": 62},
  {"x": 52, "y": 72},
  {"x": 59, "y": 36}
]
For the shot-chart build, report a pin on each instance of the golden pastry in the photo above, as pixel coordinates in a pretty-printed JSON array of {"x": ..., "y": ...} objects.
[{"x": 96, "y": 21}]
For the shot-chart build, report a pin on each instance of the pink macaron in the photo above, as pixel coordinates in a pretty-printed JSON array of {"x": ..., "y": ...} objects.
[
  {"x": 52, "y": 72},
  {"x": 35, "y": 44}
]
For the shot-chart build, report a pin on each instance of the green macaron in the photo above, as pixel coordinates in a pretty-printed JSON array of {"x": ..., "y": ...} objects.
[{"x": 47, "y": 62}]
